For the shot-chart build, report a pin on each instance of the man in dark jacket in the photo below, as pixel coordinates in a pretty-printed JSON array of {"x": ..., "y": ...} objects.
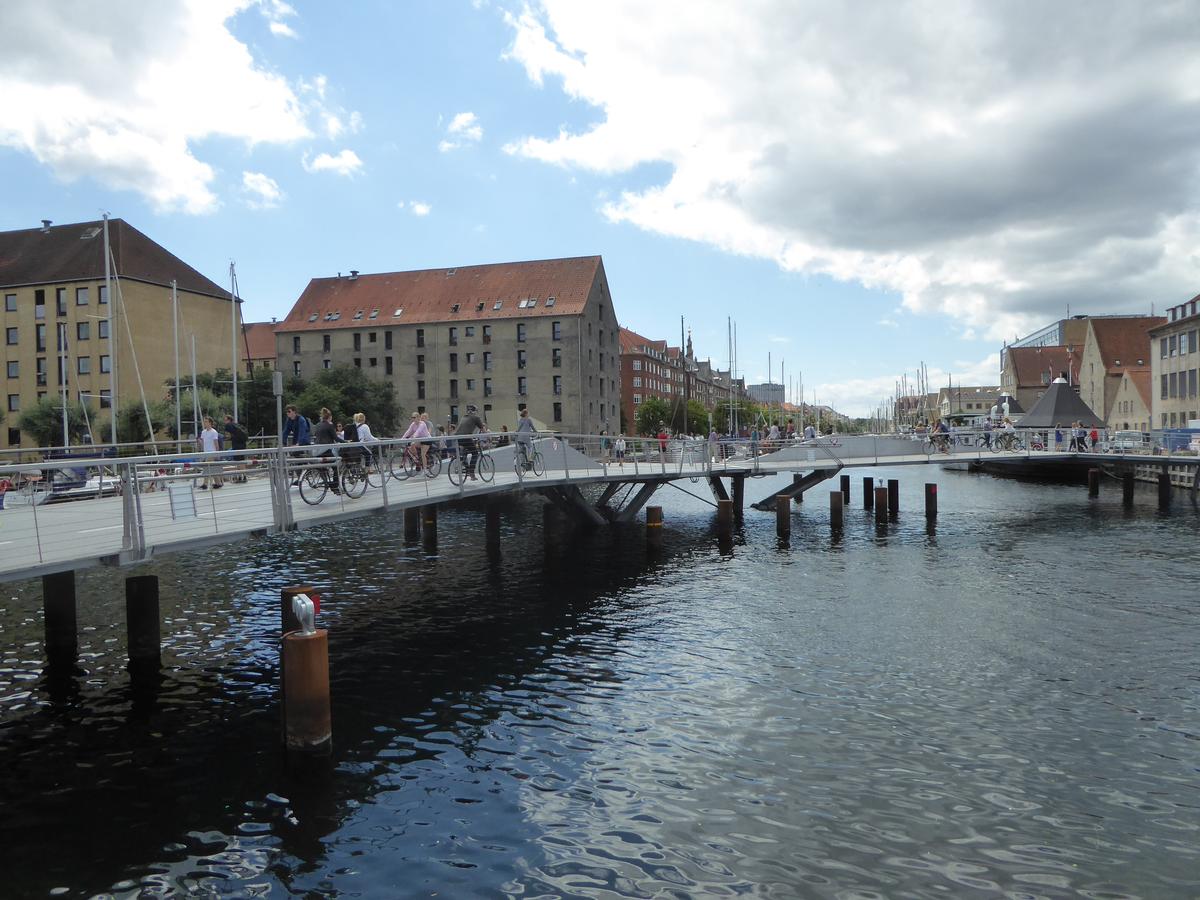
[
  {"x": 296, "y": 429},
  {"x": 468, "y": 425}
]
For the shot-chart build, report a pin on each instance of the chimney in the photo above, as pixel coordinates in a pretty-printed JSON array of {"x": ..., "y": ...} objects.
[
  {"x": 45, "y": 226},
  {"x": 354, "y": 274}
]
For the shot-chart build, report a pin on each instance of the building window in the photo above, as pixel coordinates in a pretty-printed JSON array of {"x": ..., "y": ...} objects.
[
  {"x": 470, "y": 384},
  {"x": 1162, "y": 348},
  {"x": 637, "y": 399},
  {"x": 10, "y": 336},
  {"x": 420, "y": 337},
  {"x": 373, "y": 337},
  {"x": 84, "y": 365},
  {"x": 1192, "y": 383},
  {"x": 327, "y": 364},
  {"x": 487, "y": 334},
  {"x": 556, "y": 357},
  {"x": 387, "y": 365},
  {"x": 520, "y": 332},
  {"x": 558, "y": 384},
  {"x": 487, "y": 387},
  {"x": 453, "y": 362},
  {"x": 453, "y": 336},
  {"x": 60, "y": 301},
  {"x": 470, "y": 358},
  {"x": 521, "y": 386},
  {"x": 420, "y": 390},
  {"x": 10, "y": 302},
  {"x": 81, "y": 296},
  {"x": 557, "y": 412},
  {"x": 83, "y": 330},
  {"x": 102, "y": 293},
  {"x": 1163, "y": 387},
  {"x": 14, "y": 369},
  {"x": 39, "y": 309},
  {"x": 421, "y": 364},
  {"x": 1192, "y": 340},
  {"x": 373, "y": 362},
  {"x": 296, "y": 344},
  {"x": 522, "y": 359},
  {"x": 637, "y": 381},
  {"x": 41, "y": 338},
  {"x": 453, "y": 388},
  {"x": 14, "y": 437},
  {"x": 454, "y": 415},
  {"x": 106, "y": 364},
  {"x": 487, "y": 360},
  {"x": 295, "y": 367},
  {"x": 358, "y": 362},
  {"x": 636, "y": 365},
  {"x": 325, "y": 343},
  {"x": 357, "y": 341},
  {"x": 1174, "y": 385},
  {"x": 14, "y": 402},
  {"x": 102, "y": 329},
  {"x": 1174, "y": 344},
  {"x": 387, "y": 340},
  {"x": 469, "y": 331},
  {"x": 1183, "y": 345},
  {"x": 556, "y": 331}
]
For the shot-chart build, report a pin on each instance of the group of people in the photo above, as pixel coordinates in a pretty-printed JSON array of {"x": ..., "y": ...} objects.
[{"x": 1079, "y": 437}]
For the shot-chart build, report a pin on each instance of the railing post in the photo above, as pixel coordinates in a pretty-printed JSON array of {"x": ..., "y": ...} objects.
[{"x": 140, "y": 531}]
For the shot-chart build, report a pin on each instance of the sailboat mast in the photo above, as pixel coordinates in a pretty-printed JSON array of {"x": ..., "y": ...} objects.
[
  {"x": 233, "y": 341},
  {"x": 175, "y": 332},
  {"x": 112, "y": 334},
  {"x": 62, "y": 379}
]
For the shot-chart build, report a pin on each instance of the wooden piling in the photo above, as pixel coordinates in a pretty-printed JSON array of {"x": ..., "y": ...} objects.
[
  {"x": 1127, "y": 484},
  {"x": 288, "y": 620},
  {"x": 1164, "y": 489},
  {"x": 783, "y": 515},
  {"x": 1093, "y": 482},
  {"x": 429, "y": 526},
  {"x": 739, "y": 494},
  {"x": 930, "y": 501},
  {"x": 881, "y": 505},
  {"x": 58, "y": 606},
  {"x": 799, "y": 495},
  {"x": 412, "y": 524},
  {"x": 654, "y": 526},
  {"x": 893, "y": 498},
  {"x": 845, "y": 485},
  {"x": 724, "y": 518},
  {"x": 142, "y": 623},
  {"x": 868, "y": 489},
  {"x": 307, "y": 721},
  {"x": 836, "y": 507}
]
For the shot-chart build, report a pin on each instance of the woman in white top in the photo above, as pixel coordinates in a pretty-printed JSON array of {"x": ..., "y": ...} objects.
[{"x": 210, "y": 442}]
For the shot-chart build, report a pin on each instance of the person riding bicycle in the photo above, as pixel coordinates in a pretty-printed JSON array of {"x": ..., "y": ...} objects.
[
  {"x": 325, "y": 436},
  {"x": 468, "y": 447},
  {"x": 525, "y": 432},
  {"x": 418, "y": 433},
  {"x": 941, "y": 436}
]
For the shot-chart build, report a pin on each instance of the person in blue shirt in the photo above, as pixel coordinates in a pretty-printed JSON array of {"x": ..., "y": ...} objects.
[{"x": 296, "y": 429}]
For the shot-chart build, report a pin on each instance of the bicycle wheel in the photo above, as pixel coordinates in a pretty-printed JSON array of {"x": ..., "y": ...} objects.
[
  {"x": 312, "y": 485},
  {"x": 456, "y": 472},
  {"x": 354, "y": 480},
  {"x": 374, "y": 469},
  {"x": 486, "y": 467},
  {"x": 539, "y": 464},
  {"x": 927, "y": 446},
  {"x": 402, "y": 465},
  {"x": 433, "y": 464}
]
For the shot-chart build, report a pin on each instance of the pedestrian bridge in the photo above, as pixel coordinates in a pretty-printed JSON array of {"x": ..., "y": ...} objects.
[{"x": 65, "y": 516}]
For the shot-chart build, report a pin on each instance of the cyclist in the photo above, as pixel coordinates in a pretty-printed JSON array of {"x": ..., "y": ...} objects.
[
  {"x": 941, "y": 436},
  {"x": 468, "y": 446},
  {"x": 417, "y": 432},
  {"x": 324, "y": 435},
  {"x": 525, "y": 433}
]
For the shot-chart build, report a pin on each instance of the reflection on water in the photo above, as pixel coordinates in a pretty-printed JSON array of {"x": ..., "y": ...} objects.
[{"x": 1003, "y": 702}]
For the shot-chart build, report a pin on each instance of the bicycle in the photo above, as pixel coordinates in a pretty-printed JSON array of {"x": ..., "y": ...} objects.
[
  {"x": 1007, "y": 441},
  {"x": 937, "y": 441},
  {"x": 409, "y": 462},
  {"x": 316, "y": 481},
  {"x": 485, "y": 467},
  {"x": 528, "y": 460},
  {"x": 355, "y": 474}
]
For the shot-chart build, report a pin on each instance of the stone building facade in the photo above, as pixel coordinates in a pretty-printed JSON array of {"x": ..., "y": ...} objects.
[
  {"x": 1174, "y": 362},
  {"x": 1113, "y": 346}
]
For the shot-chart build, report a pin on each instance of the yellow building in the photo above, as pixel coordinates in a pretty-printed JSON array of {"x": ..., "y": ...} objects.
[{"x": 56, "y": 318}]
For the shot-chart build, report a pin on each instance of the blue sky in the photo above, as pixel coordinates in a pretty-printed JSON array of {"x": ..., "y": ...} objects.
[{"x": 964, "y": 180}]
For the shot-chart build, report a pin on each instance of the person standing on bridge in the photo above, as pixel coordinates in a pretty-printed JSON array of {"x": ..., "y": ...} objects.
[
  {"x": 210, "y": 445},
  {"x": 810, "y": 433}
]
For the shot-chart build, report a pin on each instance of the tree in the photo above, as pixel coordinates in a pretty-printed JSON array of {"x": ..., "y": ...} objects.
[
  {"x": 44, "y": 421},
  {"x": 347, "y": 390},
  {"x": 131, "y": 421},
  {"x": 256, "y": 397},
  {"x": 651, "y": 413}
]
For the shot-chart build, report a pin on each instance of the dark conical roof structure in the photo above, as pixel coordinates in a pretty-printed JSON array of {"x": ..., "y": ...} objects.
[
  {"x": 1014, "y": 408},
  {"x": 1060, "y": 405}
]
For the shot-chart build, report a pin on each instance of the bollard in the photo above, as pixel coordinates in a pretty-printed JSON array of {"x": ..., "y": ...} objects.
[
  {"x": 881, "y": 505},
  {"x": 1164, "y": 489},
  {"x": 58, "y": 605},
  {"x": 492, "y": 526},
  {"x": 1093, "y": 482},
  {"x": 429, "y": 527},
  {"x": 893, "y": 497},
  {"x": 739, "y": 495},
  {"x": 306, "y": 713},
  {"x": 868, "y": 493},
  {"x": 412, "y": 524},
  {"x": 799, "y": 495},
  {"x": 724, "y": 518},
  {"x": 783, "y": 515},
  {"x": 142, "y": 622},
  {"x": 289, "y": 622},
  {"x": 930, "y": 501},
  {"x": 654, "y": 526},
  {"x": 1127, "y": 488},
  {"x": 836, "y": 506},
  {"x": 845, "y": 483}
]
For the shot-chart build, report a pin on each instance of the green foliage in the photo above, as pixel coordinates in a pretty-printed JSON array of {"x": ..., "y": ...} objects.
[
  {"x": 346, "y": 390},
  {"x": 256, "y": 398},
  {"x": 43, "y": 422},
  {"x": 653, "y": 412}
]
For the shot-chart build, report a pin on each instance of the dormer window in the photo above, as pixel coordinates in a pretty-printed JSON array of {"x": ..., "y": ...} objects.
[
  {"x": 532, "y": 302},
  {"x": 454, "y": 308},
  {"x": 549, "y": 301},
  {"x": 480, "y": 306},
  {"x": 1116, "y": 362},
  {"x": 314, "y": 317},
  {"x": 374, "y": 314},
  {"x": 398, "y": 313},
  {"x": 359, "y": 314}
]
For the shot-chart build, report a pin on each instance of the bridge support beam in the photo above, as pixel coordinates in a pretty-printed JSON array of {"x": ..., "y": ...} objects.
[
  {"x": 798, "y": 484},
  {"x": 845, "y": 486},
  {"x": 571, "y": 501},
  {"x": 837, "y": 509},
  {"x": 893, "y": 498},
  {"x": 412, "y": 524},
  {"x": 881, "y": 505},
  {"x": 783, "y": 515},
  {"x": 1127, "y": 487},
  {"x": 654, "y": 527},
  {"x": 724, "y": 519},
  {"x": 868, "y": 493},
  {"x": 429, "y": 527},
  {"x": 930, "y": 501},
  {"x": 58, "y": 605},
  {"x": 142, "y": 621},
  {"x": 718, "y": 487},
  {"x": 1164, "y": 488},
  {"x": 739, "y": 494},
  {"x": 1093, "y": 482},
  {"x": 634, "y": 506}
]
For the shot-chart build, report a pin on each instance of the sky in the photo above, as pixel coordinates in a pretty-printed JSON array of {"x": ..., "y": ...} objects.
[{"x": 860, "y": 187}]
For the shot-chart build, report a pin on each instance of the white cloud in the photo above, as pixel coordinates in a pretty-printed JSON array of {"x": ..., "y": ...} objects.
[
  {"x": 275, "y": 11},
  {"x": 888, "y": 323},
  {"x": 345, "y": 163},
  {"x": 779, "y": 339},
  {"x": 981, "y": 163},
  {"x": 262, "y": 191},
  {"x": 111, "y": 92},
  {"x": 282, "y": 29},
  {"x": 860, "y": 396},
  {"x": 416, "y": 207},
  {"x": 463, "y": 129}
]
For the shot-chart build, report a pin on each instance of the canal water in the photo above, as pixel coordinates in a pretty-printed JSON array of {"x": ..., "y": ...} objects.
[{"x": 1006, "y": 705}]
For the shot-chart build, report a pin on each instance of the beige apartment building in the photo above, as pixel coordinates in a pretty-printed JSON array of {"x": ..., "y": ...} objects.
[
  {"x": 56, "y": 318},
  {"x": 1174, "y": 363},
  {"x": 540, "y": 334},
  {"x": 1115, "y": 347}
]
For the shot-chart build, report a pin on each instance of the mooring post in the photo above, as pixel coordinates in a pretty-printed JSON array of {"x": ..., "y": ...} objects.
[
  {"x": 845, "y": 485},
  {"x": 881, "y": 505},
  {"x": 142, "y": 622},
  {"x": 724, "y": 518},
  {"x": 288, "y": 619},
  {"x": 893, "y": 497},
  {"x": 654, "y": 526},
  {"x": 930, "y": 500},
  {"x": 783, "y": 515},
  {"x": 58, "y": 606},
  {"x": 799, "y": 495},
  {"x": 1164, "y": 488},
  {"x": 739, "y": 494},
  {"x": 1127, "y": 483},
  {"x": 429, "y": 526},
  {"x": 412, "y": 524},
  {"x": 306, "y": 715},
  {"x": 492, "y": 527},
  {"x": 836, "y": 506},
  {"x": 868, "y": 493},
  {"x": 1093, "y": 482}
]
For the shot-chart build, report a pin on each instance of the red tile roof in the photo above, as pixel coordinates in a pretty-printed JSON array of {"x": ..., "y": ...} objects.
[
  {"x": 1140, "y": 376},
  {"x": 1124, "y": 341},
  {"x": 259, "y": 341},
  {"x": 1031, "y": 363},
  {"x": 76, "y": 253},
  {"x": 632, "y": 342},
  {"x": 467, "y": 294}
]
